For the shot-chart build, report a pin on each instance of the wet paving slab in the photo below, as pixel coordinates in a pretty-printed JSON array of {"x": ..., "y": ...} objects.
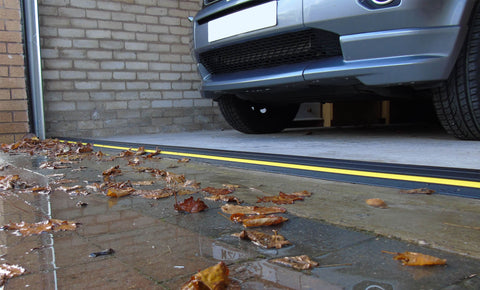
[{"x": 156, "y": 247}]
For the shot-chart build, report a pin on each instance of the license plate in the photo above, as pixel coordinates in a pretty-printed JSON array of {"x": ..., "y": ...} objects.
[{"x": 255, "y": 18}]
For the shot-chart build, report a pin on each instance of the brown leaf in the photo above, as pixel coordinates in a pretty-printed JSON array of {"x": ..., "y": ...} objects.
[
  {"x": 191, "y": 183},
  {"x": 51, "y": 225},
  {"x": 140, "y": 151},
  {"x": 281, "y": 198},
  {"x": 154, "y": 194},
  {"x": 232, "y": 187},
  {"x": 263, "y": 240},
  {"x": 257, "y": 220},
  {"x": 225, "y": 198},
  {"x": 9, "y": 271},
  {"x": 233, "y": 209},
  {"x": 119, "y": 192},
  {"x": 417, "y": 259},
  {"x": 217, "y": 191},
  {"x": 303, "y": 193},
  {"x": 183, "y": 160},
  {"x": 143, "y": 182},
  {"x": 376, "y": 202},
  {"x": 114, "y": 170},
  {"x": 69, "y": 188},
  {"x": 190, "y": 205},
  {"x": 418, "y": 191},
  {"x": 174, "y": 178},
  {"x": 213, "y": 278},
  {"x": 302, "y": 262}
]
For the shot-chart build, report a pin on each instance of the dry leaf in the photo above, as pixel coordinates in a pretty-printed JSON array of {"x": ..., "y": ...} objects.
[
  {"x": 303, "y": 193},
  {"x": 143, "y": 182},
  {"x": 140, "y": 151},
  {"x": 183, "y": 160},
  {"x": 232, "y": 187},
  {"x": 217, "y": 191},
  {"x": 263, "y": 240},
  {"x": 119, "y": 192},
  {"x": 51, "y": 225},
  {"x": 225, "y": 198},
  {"x": 302, "y": 262},
  {"x": 174, "y": 178},
  {"x": 417, "y": 259},
  {"x": 190, "y": 205},
  {"x": 191, "y": 183},
  {"x": 213, "y": 278},
  {"x": 114, "y": 170},
  {"x": 70, "y": 188},
  {"x": 376, "y": 202},
  {"x": 418, "y": 191},
  {"x": 154, "y": 194},
  {"x": 233, "y": 209},
  {"x": 186, "y": 191},
  {"x": 9, "y": 271},
  {"x": 257, "y": 220},
  {"x": 281, "y": 198}
]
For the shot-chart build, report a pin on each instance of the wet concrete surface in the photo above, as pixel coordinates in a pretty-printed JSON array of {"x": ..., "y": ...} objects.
[{"x": 159, "y": 248}]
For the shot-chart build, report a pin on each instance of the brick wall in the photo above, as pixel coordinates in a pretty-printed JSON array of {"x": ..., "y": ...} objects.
[
  {"x": 121, "y": 67},
  {"x": 13, "y": 97}
]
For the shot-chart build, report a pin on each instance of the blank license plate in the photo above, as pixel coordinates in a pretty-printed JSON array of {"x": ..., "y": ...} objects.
[{"x": 258, "y": 17}]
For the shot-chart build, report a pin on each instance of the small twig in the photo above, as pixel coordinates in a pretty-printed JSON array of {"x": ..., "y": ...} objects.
[
  {"x": 462, "y": 226},
  {"x": 224, "y": 216}
]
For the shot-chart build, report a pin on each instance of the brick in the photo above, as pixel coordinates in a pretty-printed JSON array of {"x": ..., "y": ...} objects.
[
  {"x": 112, "y": 44},
  {"x": 109, "y": 5},
  {"x": 146, "y": 37},
  {"x": 84, "y": 23},
  {"x": 123, "y": 17},
  {"x": 135, "y": 27},
  {"x": 20, "y": 116},
  {"x": 112, "y": 65},
  {"x": 13, "y": 25},
  {"x": 59, "y": 85},
  {"x": 114, "y": 86},
  {"x": 99, "y": 34},
  {"x": 100, "y": 75},
  {"x": 4, "y": 71},
  {"x": 124, "y": 55},
  {"x": 14, "y": 105},
  {"x": 9, "y": 14},
  {"x": 182, "y": 103},
  {"x": 3, "y": 47},
  {"x": 146, "y": 19},
  {"x": 72, "y": 12},
  {"x": 58, "y": 64},
  {"x": 170, "y": 76},
  {"x": 137, "y": 46},
  {"x": 99, "y": 54},
  {"x": 12, "y": 83},
  {"x": 12, "y": 4},
  {"x": 130, "y": 65},
  {"x": 84, "y": 4},
  {"x": 7, "y": 138},
  {"x": 137, "y": 9},
  {"x": 16, "y": 71},
  {"x": 96, "y": 14},
  {"x": 86, "y": 43},
  {"x": 122, "y": 35},
  {"x": 74, "y": 53},
  {"x": 11, "y": 59},
  {"x": 86, "y": 64},
  {"x": 14, "y": 127},
  {"x": 147, "y": 76},
  {"x": 112, "y": 25},
  {"x": 158, "y": 11},
  {"x": 118, "y": 105},
  {"x": 15, "y": 48},
  {"x": 124, "y": 75},
  {"x": 102, "y": 96},
  {"x": 5, "y": 117},
  {"x": 87, "y": 85},
  {"x": 57, "y": 42},
  {"x": 172, "y": 95},
  {"x": 60, "y": 106},
  {"x": 126, "y": 96},
  {"x": 158, "y": 66},
  {"x": 70, "y": 75},
  {"x": 137, "y": 85},
  {"x": 139, "y": 104},
  {"x": 71, "y": 32},
  {"x": 75, "y": 96}
]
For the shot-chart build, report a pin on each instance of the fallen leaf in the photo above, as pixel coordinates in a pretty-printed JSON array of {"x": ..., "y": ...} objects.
[
  {"x": 190, "y": 205},
  {"x": 174, "y": 178},
  {"x": 153, "y": 154},
  {"x": 232, "y": 187},
  {"x": 154, "y": 194},
  {"x": 114, "y": 170},
  {"x": 257, "y": 220},
  {"x": 143, "y": 182},
  {"x": 263, "y": 240},
  {"x": 376, "y": 202},
  {"x": 134, "y": 162},
  {"x": 302, "y": 262},
  {"x": 418, "y": 191},
  {"x": 140, "y": 151},
  {"x": 217, "y": 191},
  {"x": 417, "y": 259},
  {"x": 304, "y": 193},
  {"x": 119, "y": 192},
  {"x": 225, "y": 198},
  {"x": 69, "y": 188},
  {"x": 51, "y": 225},
  {"x": 234, "y": 209},
  {"x": 213, "y": 278},
  {"x": 183, "y": 160},
  {"x": 191, "y": 183},
  {"x": 186, "y": 191},
  {"x": 9, "y": 271},
  {"x": 281, "y": 198}
]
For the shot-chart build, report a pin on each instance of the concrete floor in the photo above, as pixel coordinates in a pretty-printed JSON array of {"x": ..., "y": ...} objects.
[
  {"x": 416, "y": 144},
  {"x": 159, "y": 248}
]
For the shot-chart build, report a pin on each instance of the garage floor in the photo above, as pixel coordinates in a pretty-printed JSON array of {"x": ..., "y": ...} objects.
[{"x": 416, "y": 144}]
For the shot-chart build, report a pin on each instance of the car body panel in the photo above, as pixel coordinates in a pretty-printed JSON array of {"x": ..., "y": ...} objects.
[{"x": 415, "y": 42}]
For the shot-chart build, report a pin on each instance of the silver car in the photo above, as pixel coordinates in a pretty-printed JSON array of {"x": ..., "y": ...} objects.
[{"x": 261, "y": 58}]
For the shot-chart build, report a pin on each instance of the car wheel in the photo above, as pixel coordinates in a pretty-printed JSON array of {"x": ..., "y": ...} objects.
[
  {"x": 255, "y": 118},
  {"x": 457, "y": 101}
]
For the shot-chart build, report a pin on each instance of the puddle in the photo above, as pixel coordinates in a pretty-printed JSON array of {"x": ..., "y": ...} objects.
[{"x": 158, "y": 248}]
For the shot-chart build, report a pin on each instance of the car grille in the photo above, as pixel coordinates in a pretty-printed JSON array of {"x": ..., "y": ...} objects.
[{"x": 294, "y": 47}]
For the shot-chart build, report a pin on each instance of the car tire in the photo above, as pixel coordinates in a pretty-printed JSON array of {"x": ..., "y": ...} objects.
[
  {"x": 457, "y": 100},
  {"x": 255, "y": 118}
]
